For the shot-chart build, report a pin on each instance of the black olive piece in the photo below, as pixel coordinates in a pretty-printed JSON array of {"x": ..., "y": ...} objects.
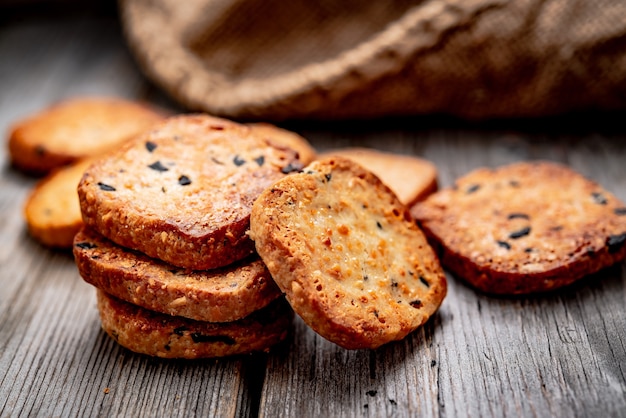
[
  {"x": 616, "y": 242},
  {"x": 201, "y": 338},
  {"x": 518, "y": 215},
  {"x": 260, "y": 160},
  {"x": 157, "y": 166},
  {"x": 289, "y": 168},
  {"x": 504, "y": 244},
  {"x": 471, "y": 189},
  {"x": 238, "y": 161},
  {"x": 620, "y": 211},
  {"x": 184, "y": 180},
  {"x": 106, "y": 187},
  {"x": 424, "y": 281},
  {"x": 180, "y": 330},
  {"x": 416, "y": 303},
  {"x": 520, "y": 233},
  {"x": 150, "y": 146},
  {"x": 379, "y": 225},
  {"x": 86, "y": 245},
  {"x": 328, "y": 176},
  {"x": 599, "y": 198}
]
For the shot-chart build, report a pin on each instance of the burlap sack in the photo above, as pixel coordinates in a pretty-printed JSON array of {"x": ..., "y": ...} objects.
[{"x": 277, "y": 59}]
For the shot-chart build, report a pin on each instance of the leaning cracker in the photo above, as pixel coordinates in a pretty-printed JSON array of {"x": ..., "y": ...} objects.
[
  {"x": 411, "y": 178},
  {"x": 218, "y": 295},
  {"x": 74, "y": 129},
  {"x": 285, "y": 138},
  {"x": 156, "y": 334},
  {"x": 525, "y": 227},
  {"x": 349, "y": 257},
  {"x": 183, "y": 192},
  {"x": 51, "y": 211}
]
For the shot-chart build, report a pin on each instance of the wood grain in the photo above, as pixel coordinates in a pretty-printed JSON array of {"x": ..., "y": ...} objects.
[{"x": 559, "y": 354}]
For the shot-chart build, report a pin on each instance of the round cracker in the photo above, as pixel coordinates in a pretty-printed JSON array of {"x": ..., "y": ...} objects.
[
  {"x": 51, "y": 211},
  {"x": 411, "y": 178},
  {"x": 525, "y": 227},
  {"x": 217, "y": 295},
  {"x": 76, "y": 128},
  {"x": 183, "y": 192},
  {"x": 156, "y": 334},
  {"x": 348, "y": 255}
]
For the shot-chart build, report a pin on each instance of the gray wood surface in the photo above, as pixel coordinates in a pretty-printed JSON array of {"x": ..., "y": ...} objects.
[{"x": 561, "y": 354}]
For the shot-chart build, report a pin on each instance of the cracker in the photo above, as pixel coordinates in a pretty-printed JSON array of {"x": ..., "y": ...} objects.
[
  {"x": 74, "y": 129},
  {"x": 156, "y": 334},
  {"x": 348, "y": 255},
  {"x": 411, "y": 178},
  {"x": 286, "y": 138},
  {"x": 51, "y": 211},
  {"x": 218, "y": 295},
  {"x": 525, "y": 227},
  {"x": 183, "y": 192}
]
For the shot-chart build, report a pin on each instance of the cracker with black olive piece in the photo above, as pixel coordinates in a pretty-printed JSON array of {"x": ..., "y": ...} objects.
[
  {"x": 217, "y": 295},
  {"x": 161, "y": 335},
  {"x": 348, "y": 255},
  {"x": 183, "y": 191},
  {"x": 525, "y": 227}
]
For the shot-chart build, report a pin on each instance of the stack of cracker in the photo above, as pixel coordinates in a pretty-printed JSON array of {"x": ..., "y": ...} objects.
[
  {"x": 195, "y": 230},
  {"x": 166, "y": 242},
  {"x": 187, "y": 265}
]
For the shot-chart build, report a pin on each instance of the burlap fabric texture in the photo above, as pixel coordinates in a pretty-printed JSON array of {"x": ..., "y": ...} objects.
[{"x": 332, "y": 59}]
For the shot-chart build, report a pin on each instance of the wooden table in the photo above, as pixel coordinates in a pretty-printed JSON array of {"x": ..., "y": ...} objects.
[{"x": 561, "y": 354}]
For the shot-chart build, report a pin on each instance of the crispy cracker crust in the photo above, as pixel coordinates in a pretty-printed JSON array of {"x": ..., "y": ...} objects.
[
  {"x": 218, "y": 295},
  {"x": 74, "y": 129},
  {"x": 411, "y": 178},
  {"x": 349, "y": 257},
  {"x": 51, "y": 210},
  {"x": 183, "y": 192},
  {"x": 525, "y": 227},
  {"x": 156, "y": 334}
]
